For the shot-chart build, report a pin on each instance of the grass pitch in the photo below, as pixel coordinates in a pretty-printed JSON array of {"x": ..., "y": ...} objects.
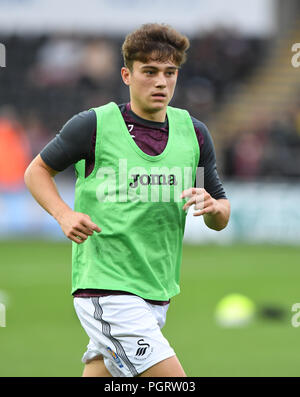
[{"x": 43, "y": 336}]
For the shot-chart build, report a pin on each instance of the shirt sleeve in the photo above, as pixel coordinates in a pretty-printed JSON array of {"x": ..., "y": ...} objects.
[
  {"x": 72, "y": 143},
  {"x": 212, "y": 182}
]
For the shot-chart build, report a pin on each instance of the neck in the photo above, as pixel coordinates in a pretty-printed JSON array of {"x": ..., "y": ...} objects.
[{"x": 159, "y": 116}]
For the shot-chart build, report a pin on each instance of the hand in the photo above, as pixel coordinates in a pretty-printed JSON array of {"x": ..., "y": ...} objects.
[
  {"x": 77, "y": 226},
  {"x": 202, "y": 200}
]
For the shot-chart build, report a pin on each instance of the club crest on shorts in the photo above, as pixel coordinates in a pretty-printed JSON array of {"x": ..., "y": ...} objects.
[{"x": 144, "y": 350}]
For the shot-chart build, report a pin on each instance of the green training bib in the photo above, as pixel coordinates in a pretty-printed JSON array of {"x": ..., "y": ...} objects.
[{"x": 135, "y": 199}]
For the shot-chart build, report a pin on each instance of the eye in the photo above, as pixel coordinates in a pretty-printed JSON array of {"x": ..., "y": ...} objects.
[{"x": 149, "y": 72}]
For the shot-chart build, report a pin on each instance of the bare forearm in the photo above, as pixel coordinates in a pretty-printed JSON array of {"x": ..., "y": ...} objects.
[
  {"x": 219, "y": 219},
  {"x": 39, "y": 179},
  {"x": 43, "y": 188}
]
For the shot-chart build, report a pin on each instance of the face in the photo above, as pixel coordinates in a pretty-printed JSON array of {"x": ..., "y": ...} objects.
[{"x": 151, "y": 86}]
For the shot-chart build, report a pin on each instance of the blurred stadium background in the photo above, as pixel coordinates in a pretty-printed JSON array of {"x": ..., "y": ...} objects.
[{"x": 64, "y": 57}]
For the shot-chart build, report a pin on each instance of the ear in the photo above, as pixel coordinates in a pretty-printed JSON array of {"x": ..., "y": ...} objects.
[{"x": 125, "y": 73}]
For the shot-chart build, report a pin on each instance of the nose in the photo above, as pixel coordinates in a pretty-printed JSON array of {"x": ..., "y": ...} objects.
[{"x": 161, "y": 81}]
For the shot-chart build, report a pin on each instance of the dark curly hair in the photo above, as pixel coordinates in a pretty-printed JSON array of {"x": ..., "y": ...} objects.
[{"x": 157, "y": 42}]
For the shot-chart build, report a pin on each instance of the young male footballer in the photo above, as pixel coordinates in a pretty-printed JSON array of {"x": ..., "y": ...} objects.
[{"x": 136, "y": 167}]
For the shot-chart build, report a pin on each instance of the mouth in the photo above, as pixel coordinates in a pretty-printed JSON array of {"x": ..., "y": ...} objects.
[{"x": 159, "y": 95}]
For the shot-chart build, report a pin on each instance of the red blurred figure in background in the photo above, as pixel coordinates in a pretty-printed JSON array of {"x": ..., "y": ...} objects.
[{"x": 14, "y": 153}]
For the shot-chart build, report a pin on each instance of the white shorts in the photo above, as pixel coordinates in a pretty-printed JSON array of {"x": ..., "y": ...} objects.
[{"x": 125, "y": 330}]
